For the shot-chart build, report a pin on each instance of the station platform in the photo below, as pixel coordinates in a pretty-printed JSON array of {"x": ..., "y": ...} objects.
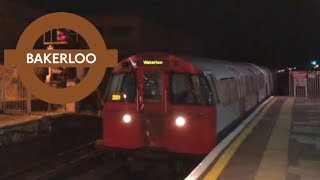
[
  {"x": 9, "y": 119},
  {"x": 281, "y": 141},
  {"x": 14, "y": 119}
]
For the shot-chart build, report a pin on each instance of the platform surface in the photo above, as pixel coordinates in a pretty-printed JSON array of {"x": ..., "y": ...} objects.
[
  {"x": 10, "y": 119},
  {"x": 13, "y": 119},
  {"x": 283, "y": 143}
]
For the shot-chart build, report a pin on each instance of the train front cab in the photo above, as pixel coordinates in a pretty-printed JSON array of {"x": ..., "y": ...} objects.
[{"x": 148, "y": 107}]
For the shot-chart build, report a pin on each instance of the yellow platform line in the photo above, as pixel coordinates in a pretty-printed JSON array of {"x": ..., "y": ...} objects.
[
  {"x": 273, "y": 164},
  {"x": 223, "y": 160}
]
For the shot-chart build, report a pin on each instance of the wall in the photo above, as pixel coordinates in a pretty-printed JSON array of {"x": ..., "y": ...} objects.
[
  {"x": 14, "y": 18},
  {"x": 65, "y": 126},
  {"x": 132, "y": 34},
  {"x": 158, "y": 37}
]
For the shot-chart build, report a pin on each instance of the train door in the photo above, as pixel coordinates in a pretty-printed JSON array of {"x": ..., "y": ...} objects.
[
  {"x": 152, "y": 105},
  {"x": 240, "y": 82},
  {"x": 191, "y": 114},
  {"x": 255, "y": 85},
  {"x": 248, "y": 94},
  {"x": 212, "y": 83}
]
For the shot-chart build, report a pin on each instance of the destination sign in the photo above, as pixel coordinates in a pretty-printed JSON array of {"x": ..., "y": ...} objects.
[{"x": 152, "y": 62}]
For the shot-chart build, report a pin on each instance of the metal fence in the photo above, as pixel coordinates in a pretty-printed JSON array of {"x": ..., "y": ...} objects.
[
  {"x": 314, "y": 84},
  {"x": 291, "y": 87},
  {"x": 304, "y": 84},
  {"x": 1, "y": 94},
  {"x": 14, "y": 97}
]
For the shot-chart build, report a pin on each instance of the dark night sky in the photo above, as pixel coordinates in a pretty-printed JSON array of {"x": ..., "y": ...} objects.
[{"x": 270, "y": 32}]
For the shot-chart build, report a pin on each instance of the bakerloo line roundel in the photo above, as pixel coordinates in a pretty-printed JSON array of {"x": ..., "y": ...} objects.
[{"x": 178, "y": 105}]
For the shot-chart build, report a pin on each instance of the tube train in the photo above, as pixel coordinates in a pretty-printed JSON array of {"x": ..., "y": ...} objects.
[{"x": 179, "y": 105}]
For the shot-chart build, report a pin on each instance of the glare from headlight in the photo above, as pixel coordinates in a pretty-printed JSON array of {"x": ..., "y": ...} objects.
[
  {"x": 180, "y": 121},
  {"x": 126, "y": 118}
]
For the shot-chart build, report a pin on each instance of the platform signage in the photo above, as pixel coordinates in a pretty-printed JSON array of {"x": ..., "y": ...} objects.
[
  {"x": 313, "y": 74},
  {"x": 25, "y": 58},
  {"x": 299, "y": 74},
  {"x": 300, "y": 78}
]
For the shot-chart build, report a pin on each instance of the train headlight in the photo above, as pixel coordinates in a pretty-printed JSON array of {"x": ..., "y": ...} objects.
[
  {"x": 180, "y": 121},
  {"x": 126, "y": 118}
]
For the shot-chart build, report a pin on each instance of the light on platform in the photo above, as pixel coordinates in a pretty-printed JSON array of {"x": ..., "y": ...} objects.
[{"x": 313, "y": 62}]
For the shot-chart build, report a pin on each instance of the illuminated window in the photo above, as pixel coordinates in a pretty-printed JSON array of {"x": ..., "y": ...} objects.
[
  {"x": 152, "y": 87},
  {"x": 121, "y": 88},
  {"x": 214, "y": 90},
  {"x": 190, "y": 89}
]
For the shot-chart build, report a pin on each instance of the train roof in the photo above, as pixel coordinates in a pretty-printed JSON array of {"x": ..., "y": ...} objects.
[
  {"x": 218, "y": 68},
  {"x": 225, "y": 69}
]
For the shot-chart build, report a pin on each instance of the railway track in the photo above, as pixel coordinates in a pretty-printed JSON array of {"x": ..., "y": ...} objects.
[
  {"x": 65, "y": 164},
  {"x": 91, "y": 162}
]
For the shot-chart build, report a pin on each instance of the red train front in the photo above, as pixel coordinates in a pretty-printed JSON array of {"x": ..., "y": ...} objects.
[{"x": 159, "y": 101}]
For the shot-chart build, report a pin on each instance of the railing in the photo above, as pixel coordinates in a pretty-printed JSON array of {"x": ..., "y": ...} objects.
[
  {"x": 314, "y": 84},
  {"x": 304, "y": 84},
  {"x": 14, "y": 97}
]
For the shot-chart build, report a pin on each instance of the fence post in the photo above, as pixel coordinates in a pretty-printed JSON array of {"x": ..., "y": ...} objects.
[
  {"x": 1, "y": 94},
  {"x": 306, "y": 91},
  {"x": 294, "y": 89},
  {"x": 291, "y": 90},
  {"x": 28, "y": 102}
]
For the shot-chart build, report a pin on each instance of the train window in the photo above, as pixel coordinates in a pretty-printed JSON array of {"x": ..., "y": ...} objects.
[
  {"x": 224, "y": 90},
  {"x": 253, "y": 84},
  {"x": 202, "y": 85},
  {"x": 152, "y": 87},
  {"x": 247, "y": 86},
  {"x": 214, "y": 90},
  {"x": 261, "y": 82},
  {"x": 232, "y": 85},
  {"x": 121, "y": 88},
  {"x": 182, "y": 90},
  {"x": 190, "y": 89}
]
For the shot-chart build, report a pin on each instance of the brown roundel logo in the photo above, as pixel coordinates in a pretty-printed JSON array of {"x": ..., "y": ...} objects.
[{"x": 25, "y": 58}]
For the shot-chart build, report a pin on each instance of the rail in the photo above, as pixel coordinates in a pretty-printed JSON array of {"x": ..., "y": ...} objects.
[{"x": 14, "y": 97}]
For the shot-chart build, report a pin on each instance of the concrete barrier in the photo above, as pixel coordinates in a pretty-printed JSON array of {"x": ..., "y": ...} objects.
[
  {"x": 60, "y": 124},
  {"x": 26, "y": 130}
]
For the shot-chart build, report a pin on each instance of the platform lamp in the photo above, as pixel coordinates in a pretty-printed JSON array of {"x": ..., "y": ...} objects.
[{"x": 314, "y": 64}]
